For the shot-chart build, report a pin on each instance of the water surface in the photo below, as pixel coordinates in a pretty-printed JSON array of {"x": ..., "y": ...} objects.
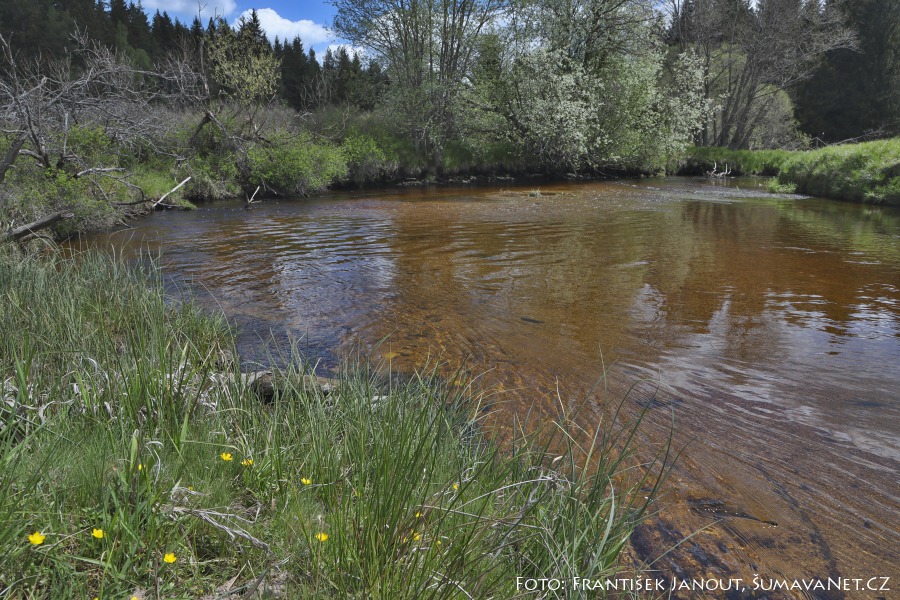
[{"x": 769, "y": 327}]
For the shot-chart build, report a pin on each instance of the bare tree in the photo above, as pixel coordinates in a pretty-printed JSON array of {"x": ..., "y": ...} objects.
[{"x": 40, "y": 103}]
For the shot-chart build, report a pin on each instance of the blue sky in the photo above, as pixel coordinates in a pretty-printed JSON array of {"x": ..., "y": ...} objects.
[{"x": 284, "y": 18}]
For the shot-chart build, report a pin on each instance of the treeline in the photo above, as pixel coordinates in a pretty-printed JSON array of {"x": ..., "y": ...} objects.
[{"x": 44, "y": 28}]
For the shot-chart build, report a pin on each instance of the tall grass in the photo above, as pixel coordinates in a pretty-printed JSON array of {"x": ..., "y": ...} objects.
[
  {"x": 144, "y": 458},
  {"x": 867, "y": 172}
]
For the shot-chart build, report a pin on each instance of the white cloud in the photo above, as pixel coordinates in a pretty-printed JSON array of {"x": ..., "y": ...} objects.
[
  {"x": 188, "y": 8},
  {"x": 310, "y": 32}
]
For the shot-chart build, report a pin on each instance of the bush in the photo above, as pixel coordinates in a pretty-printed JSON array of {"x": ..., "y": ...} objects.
[
  {"x": 366, "y": 161},
  {"x": 294, "y": 165}
]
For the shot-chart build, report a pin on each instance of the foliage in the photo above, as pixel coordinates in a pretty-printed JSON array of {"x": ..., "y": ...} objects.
[
  {"x": 139, "y": 454},
  {"x": 740, "y": 162},
  {"x": 243, "y": 63},
  {"x": 856, "y": 92},
  {"x": 572, "y": 109},
  {"x": 428, "y": 51},
  {"x": 294, "y": 165},
  {"x": 366, "y": 162},
  {"x": 776, "y": 187},
  {"x": 750, "y": 52}
]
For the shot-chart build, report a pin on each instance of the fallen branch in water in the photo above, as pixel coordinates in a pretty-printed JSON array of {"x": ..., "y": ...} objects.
[{"x": 174, "y": 189}]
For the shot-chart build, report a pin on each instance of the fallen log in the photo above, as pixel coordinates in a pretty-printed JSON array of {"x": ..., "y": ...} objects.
[{"x": 20, "y": 233}]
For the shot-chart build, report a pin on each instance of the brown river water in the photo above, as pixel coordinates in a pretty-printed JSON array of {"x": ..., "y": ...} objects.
[{"x": 767, "y": 327}]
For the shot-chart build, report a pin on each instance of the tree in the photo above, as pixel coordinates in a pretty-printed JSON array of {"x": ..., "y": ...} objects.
[
  {"x": 751, "y": 54},
  {"x": 583, "y": 84},
  {"x": 428, "y": 49},
  {"x": 77, "y": 119},
  {"x": 243, "y": 64},
  {"x": 857, "y": 91}
]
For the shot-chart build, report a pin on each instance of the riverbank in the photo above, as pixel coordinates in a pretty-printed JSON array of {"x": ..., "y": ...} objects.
[
  {"x": 296, "y": 160},
  {"x": 138, "y": 460},
  {"x": 867, "y": 172}
]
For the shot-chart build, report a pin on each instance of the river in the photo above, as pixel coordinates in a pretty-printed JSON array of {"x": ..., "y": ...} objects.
[{"x": 767, "y": 327}]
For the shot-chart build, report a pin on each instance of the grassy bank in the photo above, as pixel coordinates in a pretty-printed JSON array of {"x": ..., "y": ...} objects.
[
  {"x": 867, "y": 172},
  {"x": 135, "y": 460}
]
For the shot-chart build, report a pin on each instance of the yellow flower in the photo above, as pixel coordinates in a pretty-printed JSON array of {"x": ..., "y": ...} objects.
[
  {"x": 140, "y": 467},
  {"x": 98, "y": 533},
  {"x": 455, "y": 486},
  {"x": 169, "y": 557},
  {"x": 37, "y": 538},
  {"x": 418, "y": 514},
  {"x": 305, "y": 481},
  {"x": 417, "y": 537},
  {"x": 321, "y": 536},
  {"x": 247, "y": 462},
  {"x": 226, "y": 456}
]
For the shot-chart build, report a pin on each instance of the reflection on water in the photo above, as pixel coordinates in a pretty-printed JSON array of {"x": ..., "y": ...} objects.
[{"x": 769, "y": 327}]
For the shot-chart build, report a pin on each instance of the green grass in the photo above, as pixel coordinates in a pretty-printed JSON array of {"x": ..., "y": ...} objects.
[
  {"x": 698, "y": 161},
  {"x": 120, "y": 410},
  {"x": 867, "y": 172}
]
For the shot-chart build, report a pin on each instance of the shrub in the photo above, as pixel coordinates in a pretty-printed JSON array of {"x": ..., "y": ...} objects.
[
  {"x": 295, "y": 165},
  {"x": 366, "y": 161}
]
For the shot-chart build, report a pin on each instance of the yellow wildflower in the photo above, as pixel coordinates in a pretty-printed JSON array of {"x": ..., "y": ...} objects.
[
  {"x": 226, "y": 456},
  {"x": 321, "y": 536},
  {"x": 140, "y": 467},
  {"x": 247, "y": 462},
  {"x": 418, "y": 514},
  {"x": 36, "y": 538},
  {"x": 417, "y": 537},
  {"x": 169, "y": 557},
  {"x": 455, "y": 486},
  {"x": 98, "y": 533},
  {"x": 305, "y": 481}
]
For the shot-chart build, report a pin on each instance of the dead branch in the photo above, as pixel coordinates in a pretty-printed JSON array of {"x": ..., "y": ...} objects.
[
  {"x": 20, "y": 233},
  {"x": 94, "y": 170},
  {"x": 11, "y": 154},
  {"x": 163, "y": 197},
  {"x": 207, "y": 516},
  {"x": 714, "y": 174}
]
